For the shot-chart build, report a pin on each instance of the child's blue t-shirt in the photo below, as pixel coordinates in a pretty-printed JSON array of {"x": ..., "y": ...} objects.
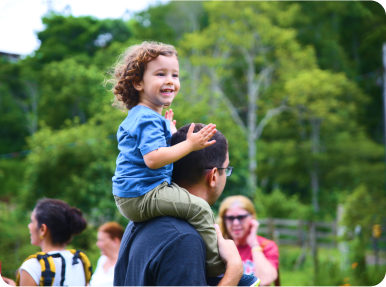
[{"x": 143, "y": 131}]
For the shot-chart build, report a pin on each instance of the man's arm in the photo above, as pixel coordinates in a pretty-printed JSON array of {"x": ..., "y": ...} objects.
[{"x": 231, "y": 257}]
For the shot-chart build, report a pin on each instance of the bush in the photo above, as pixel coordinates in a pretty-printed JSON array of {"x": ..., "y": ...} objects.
[
  {"x": 15, "y": 244},
  {"x": 364, "y": 208},
  {"x": 279, "y": 205}
]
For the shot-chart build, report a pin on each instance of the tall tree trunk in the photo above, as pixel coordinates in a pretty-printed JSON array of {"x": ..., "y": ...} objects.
[
  {"x": 314, "y": 187},
  {"x": 252, "y": 129},
  {"x": 315, "y": 149},
  {"x": 253, "y": 88},
  {"x": 384, "y": 96},
  {"x": 30, "y": 107}
]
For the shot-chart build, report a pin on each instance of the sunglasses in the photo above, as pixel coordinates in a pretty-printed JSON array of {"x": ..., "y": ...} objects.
[{"x": 240, "y": 218}]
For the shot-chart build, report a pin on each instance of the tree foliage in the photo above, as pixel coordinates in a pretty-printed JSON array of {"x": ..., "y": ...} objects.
[
  {"x": 78, "y": 37},
  {"x": 364, "y": 208}
]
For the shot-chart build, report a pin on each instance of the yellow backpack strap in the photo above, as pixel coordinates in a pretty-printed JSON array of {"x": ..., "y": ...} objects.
[
  {"x": 48, "y": 270},
  {"x": 47, "y": 266},
  {"x": 86, "y": 263}
]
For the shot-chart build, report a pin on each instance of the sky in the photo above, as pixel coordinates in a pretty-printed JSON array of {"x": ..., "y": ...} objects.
[{"x": 21, "y": 19}]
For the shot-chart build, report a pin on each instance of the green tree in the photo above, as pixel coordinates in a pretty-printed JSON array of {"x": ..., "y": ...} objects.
[
  {"x": 348, "y": 37},
  {"x": 68, "y": 36},
  {"x": 75, "y": 164},
  {"x": 15, "y": 243},
  {"x": 320, "y": 97},
  {"x": 243, "y": 55},
  {"x": 18, "y": 106},
  {"x": 364, "y": 208},
  {"x": 12, "y": 122},
  {"x": 70, "y": 89},
  {"x": 169, "y": 22}
]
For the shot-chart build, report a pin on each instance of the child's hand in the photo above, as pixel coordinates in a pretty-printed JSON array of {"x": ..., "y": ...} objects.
[
  {"x": 200, "y": 139},
  {"x": 169, "y": 116}
]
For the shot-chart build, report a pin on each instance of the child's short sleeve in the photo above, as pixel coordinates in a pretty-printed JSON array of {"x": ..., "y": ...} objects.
[
  {"x": 143, "y": 131},
  {"x": 151, "y": 134}
]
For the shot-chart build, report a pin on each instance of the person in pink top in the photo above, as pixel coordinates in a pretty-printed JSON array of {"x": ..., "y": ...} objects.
[{"x": 260, "y": 256}]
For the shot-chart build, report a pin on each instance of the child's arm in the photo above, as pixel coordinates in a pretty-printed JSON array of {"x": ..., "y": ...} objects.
[
  {"x": 194, "y": 141},
  {"x": 169, "y": 116}
]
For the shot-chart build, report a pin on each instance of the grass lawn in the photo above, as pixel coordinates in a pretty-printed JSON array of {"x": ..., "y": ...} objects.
[{"x": 330, "y": 273}]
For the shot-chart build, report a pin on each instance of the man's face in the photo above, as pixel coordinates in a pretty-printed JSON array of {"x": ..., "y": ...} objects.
[{"x": 220, "y": 184}]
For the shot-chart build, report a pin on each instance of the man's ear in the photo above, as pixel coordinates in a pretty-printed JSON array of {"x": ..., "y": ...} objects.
[
  {"x": 212, "y": 177},
  {"x": 138, "y": 86}
]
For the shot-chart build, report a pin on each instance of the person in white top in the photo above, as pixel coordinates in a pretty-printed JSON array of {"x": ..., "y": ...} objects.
[
  {"x": 53, "y": 224},
  {"x": 109, "y": 240}
]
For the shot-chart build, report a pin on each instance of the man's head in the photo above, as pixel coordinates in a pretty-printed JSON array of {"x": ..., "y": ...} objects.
[{"x": 200, "y": 169}]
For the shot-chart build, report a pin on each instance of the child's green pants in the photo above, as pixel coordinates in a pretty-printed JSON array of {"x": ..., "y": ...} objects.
[{"x": 175, "y": 201}]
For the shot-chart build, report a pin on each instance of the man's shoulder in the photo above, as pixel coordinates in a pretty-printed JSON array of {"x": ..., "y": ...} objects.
[
  {"x": 159, "y": 232},
  {"x": 150, "y": 249},
  {"x": 166, "y": 225}
]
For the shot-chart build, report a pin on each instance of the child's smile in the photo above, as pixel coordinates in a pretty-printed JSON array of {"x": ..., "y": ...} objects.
[
  {"x": 160, "y": 83},
  {"x": 167, "y": 92}
]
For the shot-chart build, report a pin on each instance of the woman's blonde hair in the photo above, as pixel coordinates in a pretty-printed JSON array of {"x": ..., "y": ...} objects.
[{"x": 234, "y": 201}]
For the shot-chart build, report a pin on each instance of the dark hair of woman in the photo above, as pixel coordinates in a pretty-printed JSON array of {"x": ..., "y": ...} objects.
[{"x": 62, "y": 220}]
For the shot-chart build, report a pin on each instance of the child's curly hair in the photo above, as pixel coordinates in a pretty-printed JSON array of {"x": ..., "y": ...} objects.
[{"x": 129, "y": 70}]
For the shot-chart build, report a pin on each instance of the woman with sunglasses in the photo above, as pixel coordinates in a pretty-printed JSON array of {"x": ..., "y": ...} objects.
[{"x": 237, "y": 221}]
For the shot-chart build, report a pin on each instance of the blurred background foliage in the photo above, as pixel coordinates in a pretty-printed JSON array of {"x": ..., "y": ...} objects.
[{"x": 296, "y": 87}]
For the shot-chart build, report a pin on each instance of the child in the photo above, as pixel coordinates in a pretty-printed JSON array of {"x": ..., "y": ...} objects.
[{"x": 146, "y": 81}]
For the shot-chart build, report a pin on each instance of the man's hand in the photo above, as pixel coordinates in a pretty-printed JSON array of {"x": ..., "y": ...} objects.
[
  {"x": 200, "y": 139},
  {"x": 227, "y": 249},
  {"x": 231, "y": 257},
  {"x": 169, "y": 116}
]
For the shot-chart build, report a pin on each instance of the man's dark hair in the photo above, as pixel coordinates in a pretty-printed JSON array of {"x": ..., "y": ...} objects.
[{"x": 191, "y": 168}]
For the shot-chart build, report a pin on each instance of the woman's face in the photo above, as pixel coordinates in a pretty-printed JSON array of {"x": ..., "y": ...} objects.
[
  {"x": 237, "y": 221},
  {"x": 34, "y": 230},
  {"x": 105, "y": 243}
]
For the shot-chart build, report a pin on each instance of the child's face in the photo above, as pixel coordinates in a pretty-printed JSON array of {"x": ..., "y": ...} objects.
[{"x": 160, "y": 83}]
